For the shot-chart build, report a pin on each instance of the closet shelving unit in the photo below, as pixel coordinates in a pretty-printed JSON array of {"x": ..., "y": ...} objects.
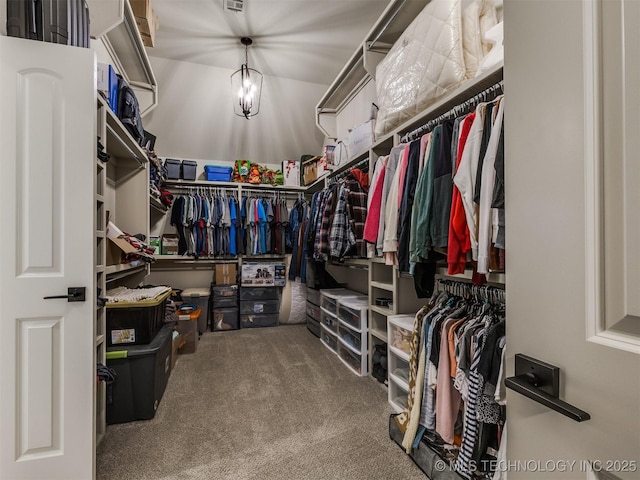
[
  {"x": 120, "y": 196},
  {"x": 353, "y": 86},
  {"x": 100, "y": 222}
]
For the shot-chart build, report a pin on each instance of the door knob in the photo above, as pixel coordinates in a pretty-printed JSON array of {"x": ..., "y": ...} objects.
[
  {"x": 75, "y": 294},
  {"x": 541, "y": 382}
]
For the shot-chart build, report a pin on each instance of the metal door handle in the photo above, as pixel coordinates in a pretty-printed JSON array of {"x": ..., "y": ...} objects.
[
  {"x": 541, "y": 382},
  {"x": 75, "y": 294}
]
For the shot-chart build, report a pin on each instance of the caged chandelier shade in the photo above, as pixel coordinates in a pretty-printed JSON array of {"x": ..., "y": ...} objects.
[{"x": 246, "y": 86}]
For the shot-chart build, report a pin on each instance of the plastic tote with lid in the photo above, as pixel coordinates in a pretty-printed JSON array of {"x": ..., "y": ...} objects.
[{"x": 199, "y": 297}]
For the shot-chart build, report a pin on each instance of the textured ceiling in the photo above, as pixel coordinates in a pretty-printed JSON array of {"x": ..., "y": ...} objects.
[{"x": 307, "y": 40}]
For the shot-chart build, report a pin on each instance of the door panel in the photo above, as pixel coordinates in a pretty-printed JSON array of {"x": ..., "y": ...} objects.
[
  {"x": 47, "y": 139},
  {"x": 547, "y": 227}
]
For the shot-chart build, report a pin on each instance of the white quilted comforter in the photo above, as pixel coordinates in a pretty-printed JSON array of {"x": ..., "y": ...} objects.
[{"x": 440, "y": 49}]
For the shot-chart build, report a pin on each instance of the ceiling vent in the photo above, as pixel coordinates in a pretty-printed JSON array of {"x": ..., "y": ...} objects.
[{"x": 234, "y": 5}]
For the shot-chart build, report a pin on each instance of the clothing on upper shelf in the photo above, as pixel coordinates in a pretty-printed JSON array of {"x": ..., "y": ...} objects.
[
  {"x": 441, "y": 198},
  {"x": 206, "y": 224}
]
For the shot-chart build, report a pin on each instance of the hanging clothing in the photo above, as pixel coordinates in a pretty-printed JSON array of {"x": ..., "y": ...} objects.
[
  {"x": 406, "y": 206},
  {"x": 389, "y": 179},
  {"x": 459, "y": 238},
  {"x": 486, "y": 195}
]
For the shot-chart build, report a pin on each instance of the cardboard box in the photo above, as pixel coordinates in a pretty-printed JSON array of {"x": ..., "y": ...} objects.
[
  {"x": 169, "y": 244},
  {"x": 310, "y": 170},
  {"x": 226, "y": 274},
  {"x": 108, "y": 84},
  {"x": 291, "y": 173},
  {"x": 117, "y": 248},
  {"x": 361, "y": 138},
  {"x": 263, "y": 274},
  {"x": 146, "y": 20}
]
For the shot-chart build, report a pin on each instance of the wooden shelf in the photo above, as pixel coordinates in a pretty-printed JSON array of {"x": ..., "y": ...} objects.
[
  {"x": 157, "y": 205},
  {"x": 399, "y": 381},
  {"x": 380, "y": 335},
  {"x": 122, "y": 270},
  {"x": 382, "y": 286},
  {"x": 492, "y": 278},
  {"x": 399, "y": 353},
  {"x": 381, "y": 310}
]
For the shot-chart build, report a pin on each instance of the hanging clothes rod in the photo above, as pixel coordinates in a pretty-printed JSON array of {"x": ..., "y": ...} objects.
[
  {"x": 271, "y": 193},
  {"x": 487, "y": 95},
  {"x": 344, "y": 173},
  {"x": 201, "y": 188},
  {"x": 488, "y": 293}
]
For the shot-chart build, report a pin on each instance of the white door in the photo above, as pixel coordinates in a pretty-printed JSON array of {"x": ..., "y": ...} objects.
[
  {"x": 47, "y": 374},
  {"x": 572, "y": 133}
]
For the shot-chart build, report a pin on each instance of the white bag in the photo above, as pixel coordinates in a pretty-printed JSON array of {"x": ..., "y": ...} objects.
[{"x": 432, "y": 57}]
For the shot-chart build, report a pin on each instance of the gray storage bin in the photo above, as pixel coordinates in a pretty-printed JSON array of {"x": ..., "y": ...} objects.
[
  {"x": 259, "y": 293},
  {"x": 314, "y": 326},
  {"x": 313, "y": 296},
  {"x": 259, "y": 320},
  {"x": 313, "y": 311},
  {"x": 189, "y": 169},
  {"x": 261, "y": 306},
  {"x": 224, "y": 319},
  {"x": 173, "y": 168}
]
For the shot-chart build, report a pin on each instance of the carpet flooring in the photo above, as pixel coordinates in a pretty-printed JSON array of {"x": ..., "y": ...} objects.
[{"x": 260, "y": 404}]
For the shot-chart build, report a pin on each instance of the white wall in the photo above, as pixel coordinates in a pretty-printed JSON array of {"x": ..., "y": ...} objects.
[{"x": 195, "y": 119}]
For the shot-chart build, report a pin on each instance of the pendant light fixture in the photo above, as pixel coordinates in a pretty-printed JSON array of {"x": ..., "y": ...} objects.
[{"x": 246, "y": 86}]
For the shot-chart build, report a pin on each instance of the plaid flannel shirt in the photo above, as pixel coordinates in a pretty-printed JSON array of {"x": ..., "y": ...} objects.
[
  {"x": 347, "y": 228},
  {"x": 321, "y": 247}
]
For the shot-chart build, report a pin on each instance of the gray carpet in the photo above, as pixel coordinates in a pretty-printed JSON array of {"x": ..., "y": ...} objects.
[{"x": 269, "y": 403}]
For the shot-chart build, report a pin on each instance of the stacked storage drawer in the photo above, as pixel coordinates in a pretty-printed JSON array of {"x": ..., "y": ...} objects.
[
  {"x": 259, "y": 306},
  {"x": 399, "y": 329},
  {"x": 329, "y": 314},
  {"x": 352, "y": 334},
  {"x": 313, "y": 311},
  {"x": 224, "y": 308}
]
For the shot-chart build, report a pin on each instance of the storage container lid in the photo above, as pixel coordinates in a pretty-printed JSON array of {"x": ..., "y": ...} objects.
[
  {"x": 356, "y": 303},
  {"x": 339, "y": 292},
  {"x": 195, "y": 292},
  {"x": 150, "y": 302},
  {"x": 404, "y": 321}
]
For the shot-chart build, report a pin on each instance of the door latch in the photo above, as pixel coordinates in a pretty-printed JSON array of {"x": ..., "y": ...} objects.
[
  {"x": 75, "y": 294},
  {"x": 541, "y": 382}
]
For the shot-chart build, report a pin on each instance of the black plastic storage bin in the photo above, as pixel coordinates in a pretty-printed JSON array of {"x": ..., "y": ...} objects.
[
  {"x": 225, "y": 302},
  {"x": 225, "y": 291},
  {"x": 259, "y": 320},
  {"x": 173, "y": 167},
  {"x": 314, "y": 326},
  {"x": 259, "y": 293},
  {"x": 135, "y": 323},
  {"x": 224, "y": 319},
  {"x": 142, "y": 374},
  {"x": 259, "y": 306},
  {"x": 189, "y": 169}
]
